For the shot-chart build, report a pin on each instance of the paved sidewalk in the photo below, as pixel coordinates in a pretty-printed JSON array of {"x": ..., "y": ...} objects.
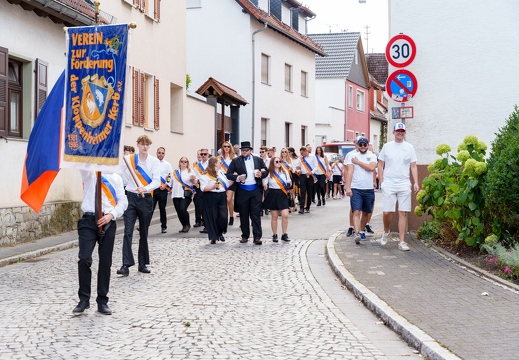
[
  {"x": 34, "y": 249},
  {"x": 437, "y": 306}
]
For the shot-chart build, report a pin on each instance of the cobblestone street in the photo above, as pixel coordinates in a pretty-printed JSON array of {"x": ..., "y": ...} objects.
[{"x": 224, "y": 301}]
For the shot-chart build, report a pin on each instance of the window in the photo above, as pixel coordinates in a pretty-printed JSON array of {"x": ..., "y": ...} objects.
[
  {"x": 264, "y": 125},
  {"x": 288, "y": 130},
  {"x": 304, "y": 83},
  {"x": 360, "y": 100},
  {"x": 265, "y": 65},
  {"x": 303, "y": 135},
  {"x": 288, "y": 77},
  {"x": 150, "y": 7},
  {"x": 350, "y": 96},
  {"x": 145, "y": 100},
  {"x": 176, "y": 108},
  {"x": 295, "y": 19}
]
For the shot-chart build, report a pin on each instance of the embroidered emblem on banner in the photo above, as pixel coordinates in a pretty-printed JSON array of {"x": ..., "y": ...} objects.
[{"x": 95, "y": 94}]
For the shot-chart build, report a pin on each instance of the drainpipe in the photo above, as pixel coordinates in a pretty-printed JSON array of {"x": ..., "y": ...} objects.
[{"x": 254, "y": 79}]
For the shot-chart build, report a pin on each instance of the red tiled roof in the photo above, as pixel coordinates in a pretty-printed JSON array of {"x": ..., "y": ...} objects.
[
  {"x": 281, "y": 27},
  {"x": 221, "y": 91},
  {"x": 378, "y": 66}
]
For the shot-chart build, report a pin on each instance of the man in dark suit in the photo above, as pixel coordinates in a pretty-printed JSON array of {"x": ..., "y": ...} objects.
[{"x": 248, "y": 170}]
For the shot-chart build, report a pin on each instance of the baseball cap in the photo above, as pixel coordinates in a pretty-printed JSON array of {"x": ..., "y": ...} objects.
[
  {"x": 362, "y": 139},
  {"x": 399, "y": 126}
]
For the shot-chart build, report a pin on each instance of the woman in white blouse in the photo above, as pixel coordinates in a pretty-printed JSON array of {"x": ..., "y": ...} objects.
[
  {"x": 182, "y": 188},
  {"x": 214, "y": 184},
  {"x": 277, "y": 182}
]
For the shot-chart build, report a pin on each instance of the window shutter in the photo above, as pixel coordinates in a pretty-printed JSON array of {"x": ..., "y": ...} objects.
[
  {"x": 4, "y": 67},
  {"x": 142, "y": 93},
  {"x": 143, "y": 6},
  {"x": 156, "y": 107},
  {"x": 41, "y": 84},
  {"x": 157, "y": 10},
  {"x": 135, "y": 100},
  {"x": 137, "y": 3}
]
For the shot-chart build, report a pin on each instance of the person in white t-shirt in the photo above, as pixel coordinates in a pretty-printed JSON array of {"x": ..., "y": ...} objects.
[
  {"x": 359, "y": 185},
  {"x": 395, "y": 160}
]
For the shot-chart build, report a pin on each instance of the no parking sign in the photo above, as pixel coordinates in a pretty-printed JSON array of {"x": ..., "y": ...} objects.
[{"x": 401, "y": 85}]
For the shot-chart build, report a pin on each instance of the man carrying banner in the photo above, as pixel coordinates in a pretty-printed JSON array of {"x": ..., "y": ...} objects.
[
  {"x": 144, "y": 177},
  {"x": 114, "y": 203},
  {"x": 161, "y": 194}
]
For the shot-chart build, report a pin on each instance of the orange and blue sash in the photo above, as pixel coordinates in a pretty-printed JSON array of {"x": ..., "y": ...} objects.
[
  {"x": 198, "y": 165},
  {"x": 219, "y": 180},
  {"x": 281, "y": 183},
  {"x": 285, "y": 165},
  {"x": 109, "y": 191},
  {"x": 320, "y": 164},
  {"x": 141, "y": 174},
  {"x": 307, "y": 166},
  {"x": 178, "y": 177},
  {"x": 225, "y": 166},
  {"x": 163, "y": 181}
]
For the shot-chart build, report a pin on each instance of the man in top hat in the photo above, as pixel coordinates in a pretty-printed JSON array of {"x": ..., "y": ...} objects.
[{"x": 248, "y": 170}]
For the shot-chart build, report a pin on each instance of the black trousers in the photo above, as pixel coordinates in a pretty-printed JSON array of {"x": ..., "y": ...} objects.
[
  {"x": 215, "y": 214},
  {"x": 138, "y": 208},
  {"x": 161, "y": 197},
  {"x": 249, "y": 204},
  {"x": 306, "y": 189},
  {"x": 320, "y": 186},
  {"x": 181, "y": 206},
  {"x": 88, "y": 236},
  {"x": 198, "y": 201}
]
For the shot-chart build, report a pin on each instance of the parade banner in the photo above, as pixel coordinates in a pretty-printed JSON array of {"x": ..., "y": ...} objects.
[{"x": 94, "y": 97}]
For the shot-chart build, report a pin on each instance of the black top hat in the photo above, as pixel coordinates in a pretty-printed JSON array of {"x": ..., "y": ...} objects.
[{"x": 245, "y": 145}]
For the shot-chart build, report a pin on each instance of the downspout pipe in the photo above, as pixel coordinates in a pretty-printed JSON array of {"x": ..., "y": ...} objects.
[{"x": 254, "y": 79}]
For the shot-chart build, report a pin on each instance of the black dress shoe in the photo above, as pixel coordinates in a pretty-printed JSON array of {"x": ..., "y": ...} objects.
[
  {"x": 275, "y": 237},
  {"x": 267, "y": 212},
  {"x": 258, "y": 242},
  {"x": 124, "y": 271},
  {"x": 284, "y": 237},
  {"x": 231, "y": 220},
  {"x": 319, "y": 203},
  {"x": 221, "y": 238},
  {"x": 164, "y": 230},
  {"x": 104, "y": 309},
  {"x": 301, "y": 211},
  {"x": 213, "y": 241},
  {"x": 80, "y": 308},
  {"x": 307, "y": 211},
  {"x": 324, "y": 202},
  {"x": 144, "y": 269},
  {"x": 197, "y": 224},
  {"x": 185, "y": 229},
  {"x": 203, "y": 231},
  {"x": 244, "y": 240}
]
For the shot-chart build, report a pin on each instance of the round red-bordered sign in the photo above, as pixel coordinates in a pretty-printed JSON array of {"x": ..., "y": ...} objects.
[
  {"x": 400, "y": 51},
  {"x": 401, "y": 85}
]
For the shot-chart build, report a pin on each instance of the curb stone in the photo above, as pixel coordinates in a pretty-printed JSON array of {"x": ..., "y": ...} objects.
[{"x": 414, "y": 336}]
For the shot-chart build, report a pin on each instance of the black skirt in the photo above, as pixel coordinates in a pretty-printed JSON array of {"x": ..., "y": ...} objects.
[{"x": 275, "y": 200}]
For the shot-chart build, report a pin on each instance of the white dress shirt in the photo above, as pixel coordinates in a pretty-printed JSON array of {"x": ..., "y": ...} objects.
[
  {"x": 89, "y": 190},
  {"x": 151, "y": 167}
]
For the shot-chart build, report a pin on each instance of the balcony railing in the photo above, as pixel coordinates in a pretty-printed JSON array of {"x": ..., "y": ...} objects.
[{"x": 88, "y": 10}]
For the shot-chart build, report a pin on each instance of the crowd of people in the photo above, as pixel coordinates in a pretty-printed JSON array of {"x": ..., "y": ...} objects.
[{"x": 236, "y": 182}]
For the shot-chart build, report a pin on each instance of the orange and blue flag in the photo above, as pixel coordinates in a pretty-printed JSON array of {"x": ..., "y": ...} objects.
[{"x": 42, "y": 159}]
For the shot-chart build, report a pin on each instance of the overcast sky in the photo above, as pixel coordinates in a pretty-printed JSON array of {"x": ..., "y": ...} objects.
[{"x": 350, "y": 15}]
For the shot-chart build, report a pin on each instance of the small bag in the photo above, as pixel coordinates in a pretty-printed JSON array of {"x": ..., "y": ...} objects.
[
  {"x": 291, "y": 203},
  {"x": 188, "y": 193}
]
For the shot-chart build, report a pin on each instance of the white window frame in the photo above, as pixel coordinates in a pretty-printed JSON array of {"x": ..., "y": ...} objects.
[
  {"x": 265, "y": 69},
  {"x": 360, "y": 100}
]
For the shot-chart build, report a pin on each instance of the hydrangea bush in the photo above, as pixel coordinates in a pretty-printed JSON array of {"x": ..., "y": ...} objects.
[{"x": 452, "y": 195}]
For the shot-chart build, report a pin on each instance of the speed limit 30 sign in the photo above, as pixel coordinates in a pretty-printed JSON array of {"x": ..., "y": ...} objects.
[{"x": 400, "y": 51}]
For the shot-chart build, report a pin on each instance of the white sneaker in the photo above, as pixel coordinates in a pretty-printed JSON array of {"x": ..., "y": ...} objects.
[
  {"x": 403, "y": 246},
  {"x": 357, "y": 239},
  {"x": 384, "y": 238}
]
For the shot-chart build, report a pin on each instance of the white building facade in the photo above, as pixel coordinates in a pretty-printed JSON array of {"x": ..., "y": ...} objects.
[
  {"x": 257, "y": 51},
  {"x": 465, "y": 68}
]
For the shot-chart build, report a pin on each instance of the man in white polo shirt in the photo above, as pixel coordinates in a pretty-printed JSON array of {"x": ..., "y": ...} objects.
[{"x": 395, "y": 160}]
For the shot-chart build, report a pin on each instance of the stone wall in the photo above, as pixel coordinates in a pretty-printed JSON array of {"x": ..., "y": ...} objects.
[{"x": 22, "y": 224}]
